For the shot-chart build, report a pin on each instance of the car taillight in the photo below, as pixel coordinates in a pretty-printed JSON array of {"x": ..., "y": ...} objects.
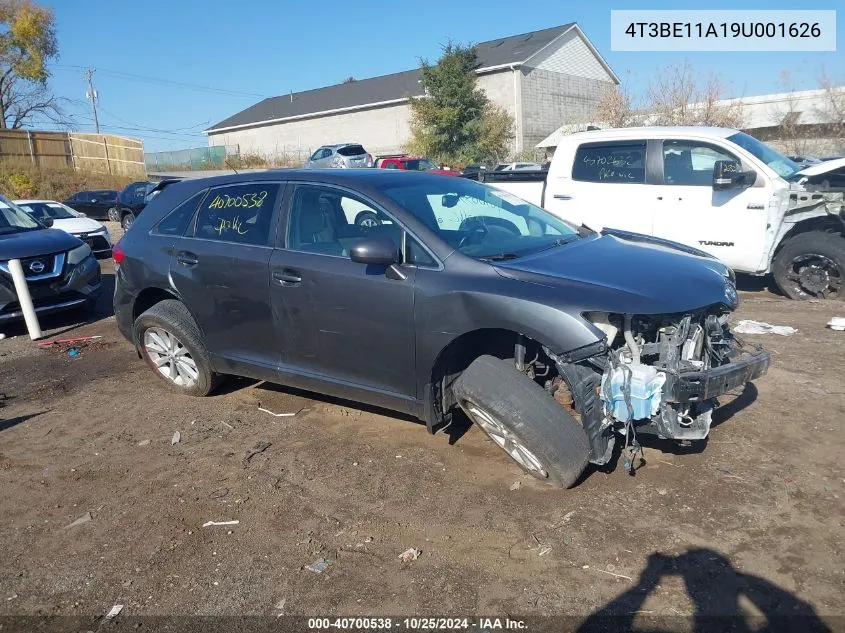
[{"x": 117, "y": 253}]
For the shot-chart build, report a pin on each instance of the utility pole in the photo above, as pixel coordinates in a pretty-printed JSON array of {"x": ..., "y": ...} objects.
[{"x": 92, "y": 94}]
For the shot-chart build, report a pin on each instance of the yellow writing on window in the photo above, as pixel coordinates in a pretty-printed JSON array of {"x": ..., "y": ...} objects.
[
  {"x": 234, "y": 224},
  {"x": 246, "y": 201}
]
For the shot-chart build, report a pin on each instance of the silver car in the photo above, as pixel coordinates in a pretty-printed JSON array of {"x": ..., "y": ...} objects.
[{"x": 343, "y": 156}]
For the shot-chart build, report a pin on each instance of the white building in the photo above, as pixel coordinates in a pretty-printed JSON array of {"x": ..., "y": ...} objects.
[{"x": 543, "y": 78}]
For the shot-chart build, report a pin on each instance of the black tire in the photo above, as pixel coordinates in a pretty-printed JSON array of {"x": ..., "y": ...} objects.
[
  {"x": 173, "y": 317},
  {"x": 529, "y": 413},
  {"x": 811, "y": 266},
  {"x": 126, "y": 220},
  {"x": 113, "y": 215},
  {"x": 367, "y": 220}
]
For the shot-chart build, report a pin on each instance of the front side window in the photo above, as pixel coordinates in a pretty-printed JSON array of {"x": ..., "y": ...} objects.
[
  {"x": 317, "y": 155},
  {"x": 480, "y": 221},
  {"x": 784, "y": 167},
  {"x": 691, "y": 162},
  {"x": 622, "y": 163},
  {"x": 329, "y": 221},
  {"x": 238, "y": 213}
]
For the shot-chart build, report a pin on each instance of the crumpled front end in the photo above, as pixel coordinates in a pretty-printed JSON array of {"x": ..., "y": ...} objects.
[
  {"x": 664, "y": 373},
  {"x": 654, "y": 374}
]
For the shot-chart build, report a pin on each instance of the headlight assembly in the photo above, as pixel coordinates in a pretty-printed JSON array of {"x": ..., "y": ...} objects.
[
  {"x": 78, "y": 254},
  {"x": 602, "y": 321}
]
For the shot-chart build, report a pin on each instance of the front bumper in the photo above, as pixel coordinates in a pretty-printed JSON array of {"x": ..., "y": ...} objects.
[
  {"x": 80, "y": 285},
  {"x": 100, "y": 243},
  {"x": 698, "y": 386}
]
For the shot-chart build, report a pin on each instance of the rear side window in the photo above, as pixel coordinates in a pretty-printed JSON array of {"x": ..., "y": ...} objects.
[
  {"x": 622, "y": 163},
  {"x": 238, "y": 213},
  {"x": 351, "y": 150},
  {"x": 176, "y": 223}
]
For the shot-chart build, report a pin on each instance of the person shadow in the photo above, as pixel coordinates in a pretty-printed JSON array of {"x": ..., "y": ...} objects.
[{"x": 725, "y": 600}]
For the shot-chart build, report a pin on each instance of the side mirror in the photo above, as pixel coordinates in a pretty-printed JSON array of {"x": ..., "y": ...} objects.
[
  {"x": 449, "y": 200},
  {"x": 728, "y": 174},
  {"x": 379, "y": 250},
  {"x": 82, "y": 215},
  {"x": 48, "y": 222}
]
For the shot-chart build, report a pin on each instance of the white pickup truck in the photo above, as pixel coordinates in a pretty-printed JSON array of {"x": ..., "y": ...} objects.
[{"x": 718, "y": 190}]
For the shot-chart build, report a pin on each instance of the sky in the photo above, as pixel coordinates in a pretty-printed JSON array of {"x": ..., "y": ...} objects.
[{"x": 165, "y": 73}]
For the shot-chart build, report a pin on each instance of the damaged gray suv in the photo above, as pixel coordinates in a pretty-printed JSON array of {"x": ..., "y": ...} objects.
[{"x": 555, "y": 340}]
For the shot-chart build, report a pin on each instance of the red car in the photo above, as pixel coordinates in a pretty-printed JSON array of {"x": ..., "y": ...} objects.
[{"x": 413, "y": 163}]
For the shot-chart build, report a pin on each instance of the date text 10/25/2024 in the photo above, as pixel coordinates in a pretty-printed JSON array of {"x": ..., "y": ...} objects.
[{"x": 417, "y": 624}]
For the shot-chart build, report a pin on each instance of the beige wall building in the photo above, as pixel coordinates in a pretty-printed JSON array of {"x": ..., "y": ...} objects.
[{"x": 543, "y": 79}]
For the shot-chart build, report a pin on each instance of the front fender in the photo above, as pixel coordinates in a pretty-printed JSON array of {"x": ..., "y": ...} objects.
[{"x": 444, "y": 318}]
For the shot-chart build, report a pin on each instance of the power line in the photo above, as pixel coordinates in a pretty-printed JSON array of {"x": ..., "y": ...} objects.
[
  {"x": 152, "y": 129},
  {"x": 167, "y": 82}
]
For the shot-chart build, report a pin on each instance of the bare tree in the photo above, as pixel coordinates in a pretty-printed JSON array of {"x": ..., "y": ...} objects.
[
  {"x": 832, "y": 110},
  {"x": 674, "y": 97},
  {"x": 23, "y": 101},
  {"x": 787, "y": 118},
  {"x": 615, "y": 108}
]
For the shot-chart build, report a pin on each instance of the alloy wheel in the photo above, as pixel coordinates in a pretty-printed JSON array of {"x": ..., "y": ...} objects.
[
  {"x": 505, "y": 439},
  {"x": 170, "y": 357}
]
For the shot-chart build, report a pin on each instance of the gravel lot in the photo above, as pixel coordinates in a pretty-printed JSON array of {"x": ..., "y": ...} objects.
[{"x": 751, "y": 524}]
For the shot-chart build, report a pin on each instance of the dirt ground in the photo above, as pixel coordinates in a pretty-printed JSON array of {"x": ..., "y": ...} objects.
[{"x": 750, "y": 523}]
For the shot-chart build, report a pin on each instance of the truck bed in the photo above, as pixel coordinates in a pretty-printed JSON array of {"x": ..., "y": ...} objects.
[{"x": 528, "y": 184}]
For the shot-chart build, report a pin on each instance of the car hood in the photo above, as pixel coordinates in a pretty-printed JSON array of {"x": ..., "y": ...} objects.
[
  {"x": 823, "y": 168},
  {"x": 609, "y": 274},
  {"x": 34, "y": 243},
  {"x": 78, "y": 225}
]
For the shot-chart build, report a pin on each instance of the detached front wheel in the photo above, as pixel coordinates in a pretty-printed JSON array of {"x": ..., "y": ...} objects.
[
  {"x": 811, "y": 266},
  {"x": 520, "y": 417}
]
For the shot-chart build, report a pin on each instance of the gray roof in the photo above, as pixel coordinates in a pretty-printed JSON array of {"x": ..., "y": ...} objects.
[{"x": 508, "y": 50}]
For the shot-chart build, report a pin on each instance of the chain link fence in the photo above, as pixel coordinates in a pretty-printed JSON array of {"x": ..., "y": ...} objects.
[{"x": 224, "y": 156}]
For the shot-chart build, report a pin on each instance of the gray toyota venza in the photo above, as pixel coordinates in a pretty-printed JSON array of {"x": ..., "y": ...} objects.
[{"x": 555, "y": 340}]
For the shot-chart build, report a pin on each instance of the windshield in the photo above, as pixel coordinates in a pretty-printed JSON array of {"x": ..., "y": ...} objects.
[
  {"x": 13, "y": 219},
  {"x": 418, "y": 164},
  {"x": 480, "y": 221},
  {"x": 55, "y": 210},
  {"x": 784, "y": 167}
]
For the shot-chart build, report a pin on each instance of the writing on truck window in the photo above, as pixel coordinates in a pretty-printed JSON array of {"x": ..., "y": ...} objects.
[{"x": 610, "y": 163}]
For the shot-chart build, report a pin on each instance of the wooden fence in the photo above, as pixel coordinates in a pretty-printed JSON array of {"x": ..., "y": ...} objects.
[{"x": 100, "y": 153}]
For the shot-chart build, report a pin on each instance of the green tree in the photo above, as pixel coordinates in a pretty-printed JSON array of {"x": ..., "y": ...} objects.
[
  {"x": 455, "y": 122},
  {"x": 27, "y": 44}
]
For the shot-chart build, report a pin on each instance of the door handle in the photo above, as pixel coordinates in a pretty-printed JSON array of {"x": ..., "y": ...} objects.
[
  {"x": 187, "y": 259},
  {"x": 287, "y": 277},
  {"x": 755, "y": 206},
  {"x": 562, "y": 196}
]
